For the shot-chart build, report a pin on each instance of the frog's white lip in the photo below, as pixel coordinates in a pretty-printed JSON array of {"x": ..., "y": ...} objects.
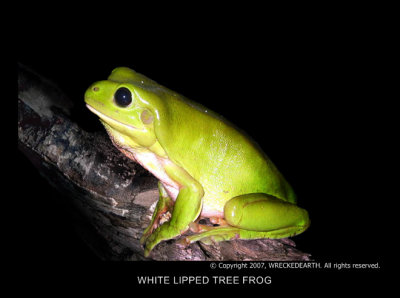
[{"x": 109, "y": 119}]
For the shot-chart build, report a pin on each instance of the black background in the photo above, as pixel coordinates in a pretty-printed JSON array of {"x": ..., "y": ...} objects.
[{"x": 307, "y": 91}]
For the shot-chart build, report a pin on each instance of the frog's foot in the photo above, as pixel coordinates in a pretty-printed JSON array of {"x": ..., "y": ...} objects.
[
  {"x": 160, "y": 217},
  {"x": 211, "y": 235},
  {"x": 162, "y": 213},
  {"x": 164, "y": 232},
  {"x": 224, "y": 233},
  {"x": 198, "y": 228}
]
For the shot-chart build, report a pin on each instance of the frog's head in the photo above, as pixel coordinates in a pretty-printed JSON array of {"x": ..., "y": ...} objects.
[{"x": 123, "y": 108}]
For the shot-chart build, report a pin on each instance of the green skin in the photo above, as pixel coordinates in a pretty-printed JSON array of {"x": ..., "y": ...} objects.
[{"x": 206, "y": 166}]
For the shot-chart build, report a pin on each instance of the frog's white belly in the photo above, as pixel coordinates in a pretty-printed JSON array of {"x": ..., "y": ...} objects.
[{"x": 155, "y": 165}]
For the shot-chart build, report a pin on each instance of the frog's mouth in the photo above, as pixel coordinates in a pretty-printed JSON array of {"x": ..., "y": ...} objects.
[{"x": 109, "y": 120}]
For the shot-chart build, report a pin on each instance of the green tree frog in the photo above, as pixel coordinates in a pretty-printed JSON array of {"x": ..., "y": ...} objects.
[{"x": 206, "y": 167}]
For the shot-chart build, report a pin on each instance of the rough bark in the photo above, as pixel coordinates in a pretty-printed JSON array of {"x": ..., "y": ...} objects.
[{"x": 113, "y": 196}]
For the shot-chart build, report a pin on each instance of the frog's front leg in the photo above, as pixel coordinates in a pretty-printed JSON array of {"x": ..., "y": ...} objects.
[
  {"x": 256, "y": 216},
  {"x": 186, "y": 209},
  {"x": 163, "y": 206}
]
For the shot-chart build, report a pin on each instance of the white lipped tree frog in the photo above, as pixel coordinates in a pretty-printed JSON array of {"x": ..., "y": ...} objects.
[{"x": 205, "y": 166}]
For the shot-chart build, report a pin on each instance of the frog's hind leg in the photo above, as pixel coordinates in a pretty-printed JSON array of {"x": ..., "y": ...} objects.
[{"x": 256, "y": 216}]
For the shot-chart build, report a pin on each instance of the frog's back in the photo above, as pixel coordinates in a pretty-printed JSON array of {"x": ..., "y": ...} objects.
[{"x": 222, "y": 158}]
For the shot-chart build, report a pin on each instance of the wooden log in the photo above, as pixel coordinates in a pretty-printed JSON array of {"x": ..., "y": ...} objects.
[{"x": 113, "y": 197}]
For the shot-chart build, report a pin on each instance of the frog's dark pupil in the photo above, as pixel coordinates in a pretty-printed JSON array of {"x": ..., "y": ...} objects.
[{"x": 123, "y": 97}]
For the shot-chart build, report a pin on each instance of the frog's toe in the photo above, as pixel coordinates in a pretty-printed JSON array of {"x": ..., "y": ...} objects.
[
  {"x": 148, "y": 247},
  {"x": 146, "y": 251},
  {"x": 144, "y": 238},
  {"x": 183, "y": 242},
  {"x": 151, "y": 241},
  {"x": 208, "y": 240},
  {"x": 186, "y": 241}
]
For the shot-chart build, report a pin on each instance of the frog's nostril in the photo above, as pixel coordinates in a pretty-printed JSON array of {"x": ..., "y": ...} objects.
[{"x": 96, "y": 88}]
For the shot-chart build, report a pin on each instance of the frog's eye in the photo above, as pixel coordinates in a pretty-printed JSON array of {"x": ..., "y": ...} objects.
[{"x": 123, "y": 97}]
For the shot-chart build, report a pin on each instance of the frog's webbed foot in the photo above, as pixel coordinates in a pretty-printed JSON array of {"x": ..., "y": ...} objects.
[
  {"x": 162, "y": 213},
  {"x": 223, "y": 233},
  {"x": 210, "y": 235},
  {"x": 201, "y": 229},
  {"x": 160, "y": 217}
]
